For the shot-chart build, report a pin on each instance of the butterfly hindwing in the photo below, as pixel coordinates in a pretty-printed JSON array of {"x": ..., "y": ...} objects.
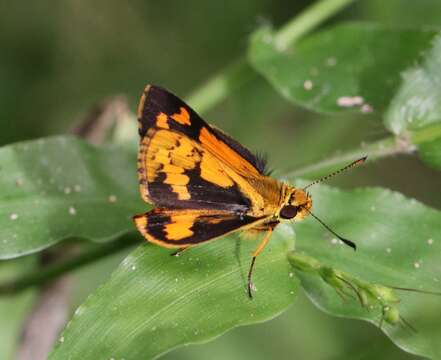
[{"x": 183, "y": 228}]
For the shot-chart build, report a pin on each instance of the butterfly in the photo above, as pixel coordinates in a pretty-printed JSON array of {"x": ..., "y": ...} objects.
[{"x": 204, "y": 184}]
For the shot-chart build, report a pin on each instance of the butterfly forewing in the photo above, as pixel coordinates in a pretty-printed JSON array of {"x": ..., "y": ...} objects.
[{"x": 185, "y": 163}]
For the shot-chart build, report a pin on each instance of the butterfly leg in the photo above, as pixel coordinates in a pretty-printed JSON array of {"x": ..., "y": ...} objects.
[
  {"x": 179, "y": 251},
  {"x": 253, "y": 260}
]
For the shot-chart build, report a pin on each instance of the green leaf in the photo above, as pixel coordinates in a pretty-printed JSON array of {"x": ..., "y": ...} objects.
[
  {"x": 13, "y": 309},
  {"x": 352, "y": 63},
  {"x": 399, "y": 244},
  {"x": 417, "y": 105},
  {"x": 154, "y": 302},
  {"x": 418, "y": 100},
  {"x": 200, "y": 295},
  {"x": 430, "y": 153},
  {"x": 56, "y": 188}
]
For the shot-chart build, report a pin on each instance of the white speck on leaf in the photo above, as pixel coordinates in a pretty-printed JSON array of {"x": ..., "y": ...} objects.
[
  {"x": 78, "y": 311},
  {"x": 331, "y": 61},
  {"x": 77, "y": 188},
  {"x": 72, "y": 210},
  {"x": 388, "y": 250},
  {"x": 13, "y": 216},
  {"x": 133, "y": 267},
  {"x": 416, "y": 265},
  {"x": 19, "y": 182},
  {"x": 291, "y": 274},
  {"x": 366, "y": 109},
  {"x": 307, "y": 85},
  {"x": 112, "y": 199},
  {"x": 67, "y": 190},
  {"x": 334, "y": 241},
  {"x": 350, "y": 101},
  {"x": 62, "y": 339},
  {"x": 430, "y": 241}
]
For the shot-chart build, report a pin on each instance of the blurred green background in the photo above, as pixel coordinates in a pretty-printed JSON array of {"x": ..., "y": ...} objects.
[{"x": 58, "y": 59}]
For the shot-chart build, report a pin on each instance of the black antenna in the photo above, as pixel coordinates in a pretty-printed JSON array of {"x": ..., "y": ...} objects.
[
  {"x": 347, "y": 242},
  {"x": 352, "y": 164}
]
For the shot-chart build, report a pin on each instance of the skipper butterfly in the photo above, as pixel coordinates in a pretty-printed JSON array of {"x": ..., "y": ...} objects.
[{"x": 205, "y": 184}]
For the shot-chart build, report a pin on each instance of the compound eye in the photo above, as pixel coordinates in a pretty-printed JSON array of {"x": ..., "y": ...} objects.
[{"x": 288, "y": 212}]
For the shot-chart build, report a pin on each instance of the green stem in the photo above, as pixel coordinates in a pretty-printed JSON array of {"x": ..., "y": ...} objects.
[
  {"x": 54, "y": 270},
  {"x": 220, "y": 86},
  {"x": 308, "y": 20},
  {"x": 377, "y": 150},
  {"x": 389, "y": 146},
  {"x": 240, "y": 72}
]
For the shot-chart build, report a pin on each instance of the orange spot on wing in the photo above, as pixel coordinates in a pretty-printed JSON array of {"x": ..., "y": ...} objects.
[
  {"x": 211, "y": 171},
  {"x": 182, "y": 192},
  {"x": 140, "y": 221},
  {"x": 161, "y": 121},
  {"x": 176, "y": 179},
  {"x": 225, "y": 153},
  {"x": 183, "y": 117},
  {"x": 172, "y": 169},
  {"x": 179, "y": 230}
]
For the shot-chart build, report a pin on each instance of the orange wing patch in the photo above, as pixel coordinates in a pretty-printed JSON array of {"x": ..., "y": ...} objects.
[
  {"x": 183, "y": 117},
  {"x": 161, "y": 121},
  {"x": 226, "y": 154}
]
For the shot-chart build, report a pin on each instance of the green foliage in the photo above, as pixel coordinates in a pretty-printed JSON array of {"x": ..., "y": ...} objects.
[
  {"x": 57, "y": 188},
  {"x": 417, "y": 105},
  {"x": 348, "y": 60},
  {"x": 430, "y": 153},
  {"x": 62, "y": 188},
  {"x": 174, "y": 301},
  {"x": 398, "y": 245},
  {"x": 14, "y": 308}
]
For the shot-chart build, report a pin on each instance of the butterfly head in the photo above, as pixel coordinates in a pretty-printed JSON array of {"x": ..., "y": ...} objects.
[
  {"x": 298, "y": 205},
  {"x": 299, "y": 202}
]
